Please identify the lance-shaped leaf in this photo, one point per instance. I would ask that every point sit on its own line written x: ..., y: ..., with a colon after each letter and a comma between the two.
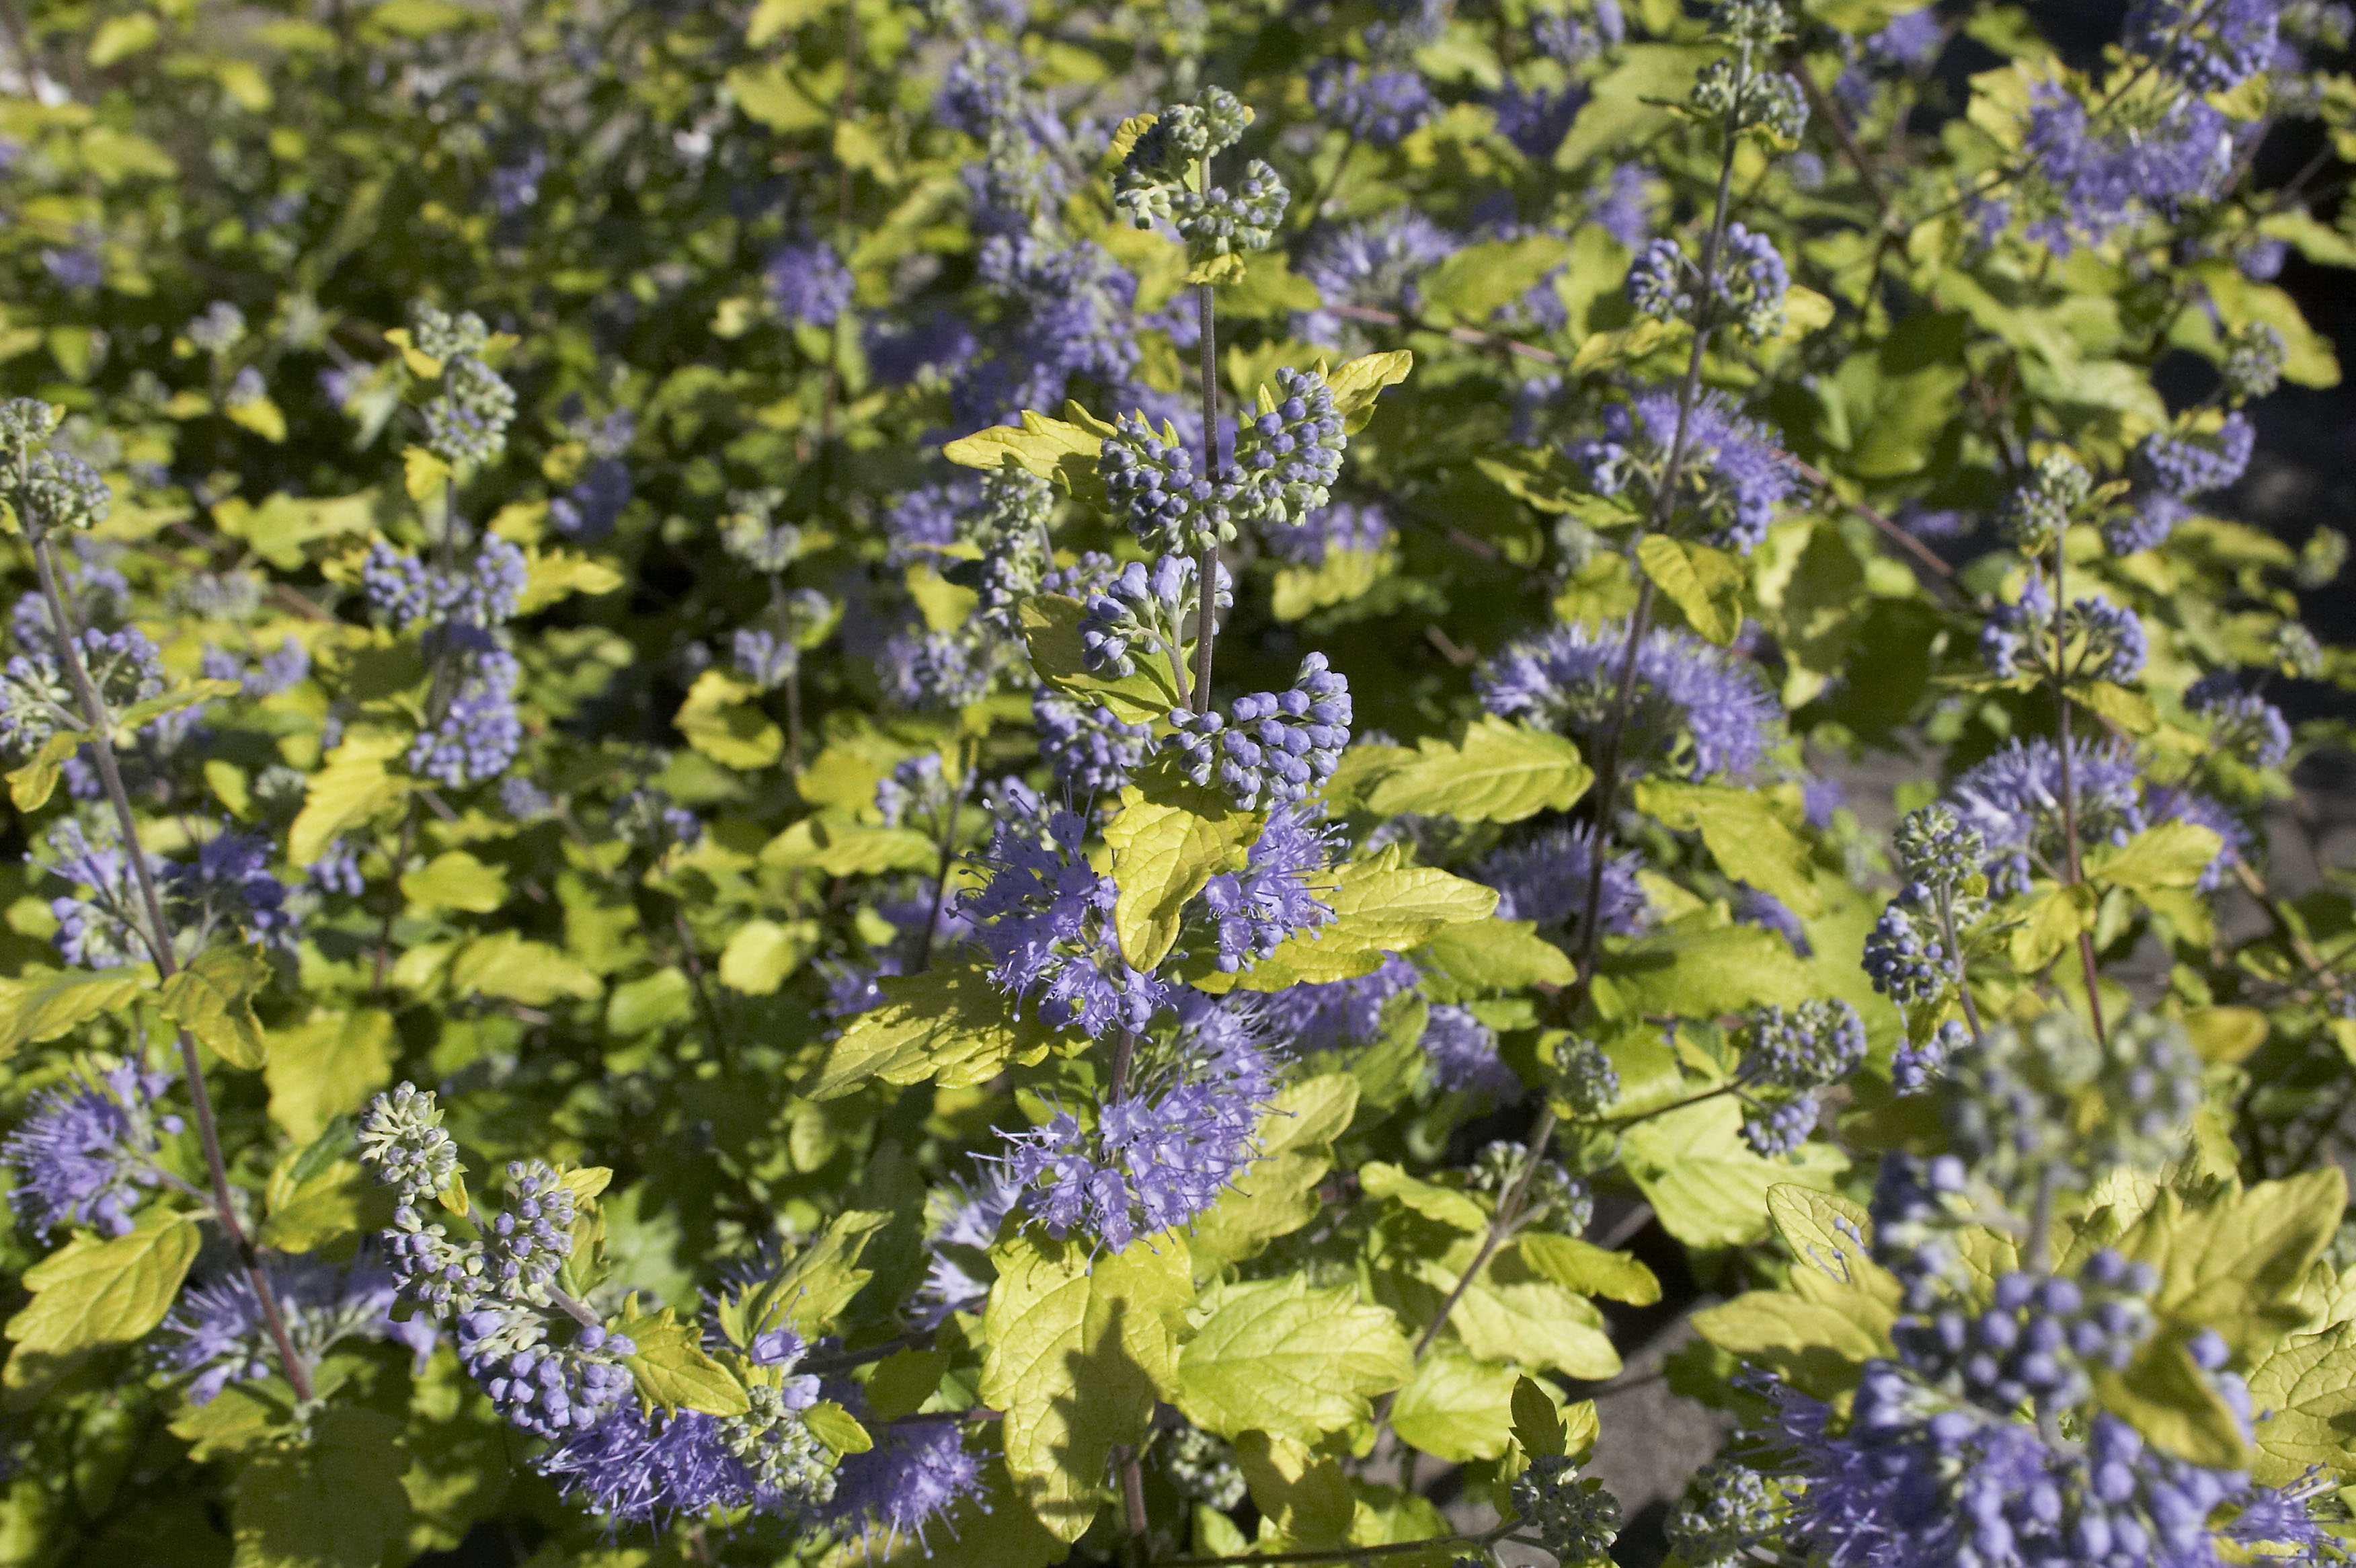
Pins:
x: 946, y: 1023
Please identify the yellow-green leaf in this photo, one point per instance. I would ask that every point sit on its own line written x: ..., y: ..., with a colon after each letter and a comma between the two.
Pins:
x: 346, y: 793
x: 456, y: 880
x: 760, y: 954
x: 328, y: 1068
x: 1458, y: 1408
x: 43, y: 1003
x: 1707, y: 1187
x: 1499, y: 772
x: 520, y: 970
x: 672, y: 1369
x: 334, y: 1500
x: 1380, y: 908
x: 2054, y: 919
x: 1749, y: 842
x: 213, y: 1000
x: 1051, y: 633
x: 1277, y: 1356
x: 1357, y: 384
x: 30, y: 787
x: 2307, y: 1385
x: 1590, y: 1270
x: 119, y: 37
x: 2173, y: 854
x: 1275, y: 1195
x: 90, y: 1292
x: 1706, y: 583
x: 948, y: 1022
x: 423, y: 475
x: 1171, y: 835
x: 718, y: 718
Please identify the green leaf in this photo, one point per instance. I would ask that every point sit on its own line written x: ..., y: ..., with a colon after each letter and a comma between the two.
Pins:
x: 1831, y: 1238
x: 1695, y: 973
x: 520, y: 970
x: 671, y: 1367
x: 651, y: 1001
x: 1539, y: 1425
x: 904, y: 1381
x: 1078, y: 1354
x: 1449, y: 1206
x: 1499, y: 772
x: 2226, y: 1034
x: 1309, y: 1498
x: 760, y: 954
x: 1051, y: 633
x: 1459, y: 1408
x: 1171, y: 836
x: 326, y: 1206
x: 213, y: 1000
x: 1476, y: 282
x: 2235, y: 1264
x: 1707, y: 1186
x: 2173, y: 854
x: 946, y: 1023
x: 1046, y: 449
x: 120, y: 38
x: 837, y: 1428
x: 720, y: 720
x: 1514, y: 1313
x: 1277, y: 1356
x: 2052, y: 922
x: 1706, y: 583
x: 90, y: 1292
x: 43, y: 1003
x: 842, y: 848
x: 347, y: 792
x: 333, y: 1501
x: 1814, y: 1346
x: 1489, y: 956
x: 1744, y: 834
x: 1277, y: 1194
x: 1357, y: 384
x: 766, y: 93
x: 1584, y: 1267
x: 1380, y: 908
x: 30, y: 787
x: 456, y: 880
x: 1625, y: 104
x: 328, y: 1068
x: 811, y: 1291
x: 2308, y: 1384
x: 1342, y: 576
x: 2166, y: 1396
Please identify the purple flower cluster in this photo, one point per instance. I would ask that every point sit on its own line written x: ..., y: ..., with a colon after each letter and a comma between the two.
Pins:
x: 2194, y: 462
x: 1045, y: 919
x: 2101, y: 642
x: 1622, y: 207
x: 1164, y: 1151
x: 85, y: 1152
x: 542, y: 1389
x: 917, y: 1472
x: 1373, y: 105
x: 2241, y: 722
x: 2104, y: 177
x: 228, y: 886
x: 1545, y: 879
x: 1748, y: 282
x: 1697, y: 710
x: 1272, y: 748
x: 1144, y: 610
x: 1338, y: 1014
x: 1067, y: 313
x: 810, y: 285
x: 1372, y: 263
x: 1335, y: 526
x: 957, y: 1277
x: 479, y: 733
x: 217, y: 1334
x: 1274, y: 895
x: 1731, y: 476
x: 2013, y: 801
x: 1536, y: 119
x: 1460, y: 1053
x: 408, y: 593
x: 2212, y: 46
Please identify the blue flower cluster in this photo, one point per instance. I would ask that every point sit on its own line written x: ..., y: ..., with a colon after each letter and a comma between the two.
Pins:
x: 1545, y: 879
x: 2173, y: 468
x: 1274, y: 895
x: 1272, y: 748
x: 1730, y: 476
x: 1148, y: 609
x: 1697, y: 711
x: 2100, y: 640
x: 85, y: 1152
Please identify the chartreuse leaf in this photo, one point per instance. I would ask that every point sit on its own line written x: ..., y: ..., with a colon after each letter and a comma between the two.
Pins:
x: 1308, y: 1497
x: 1706, y: 583
x: 720, y: 720
x: 1707, y: 1186
x: 837, y: 1428
x: 1831, y: 1238
x: 1171, y: 836
x: 946, y: 1023
x: 1278, y: 1357
x: 46, y: 1003
x: 334, y: 1500
x: 90, y: 1292
x: 904, y: 1381
x: 1692, y: 972
x: 352, y: 786
x: 814, y: 1287
x: 1472, y: 284
x: 2225, y: 1034
x: 1499, y: 772
x: 213, y: 1000
x: 1380, y: 908
x: 2166, y: 1396
x: 515, y: 967
x: 29, y: 786
x: 1051, y: 632
x: 760, y: 954
x: 1749, y: 842
x: 1514, y: 1313
x: 1457, y: 1408
x: 1078, y: 1353
x: 1046, y: 449
x: 2173, y: 854
x: 456, y: 880
x: 1277, y: 1194
x: 1590, y: 1270
x: 1345, y: 574
x: 1814, y: 1346
x: 671, y: 1367
x: 2056, y: 915
x: 844, y: 848
x: 2235, y: 1264
x: 1539, y: 1425
x: 1357, y: 382
x: 2308, y: 1383
x: 1488, y: 956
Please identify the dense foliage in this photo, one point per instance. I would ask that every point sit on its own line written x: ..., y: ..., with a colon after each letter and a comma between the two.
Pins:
x: 845, y: 779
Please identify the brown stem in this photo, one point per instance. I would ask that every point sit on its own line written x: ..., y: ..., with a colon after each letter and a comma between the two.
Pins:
x: 158, y: 937
x: 949, y: 857
x: 1139, y: 1548
x: 2070, y: 866
x: 1821, y: 105
x: 1962, y: 969
x: 1206, y: 563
